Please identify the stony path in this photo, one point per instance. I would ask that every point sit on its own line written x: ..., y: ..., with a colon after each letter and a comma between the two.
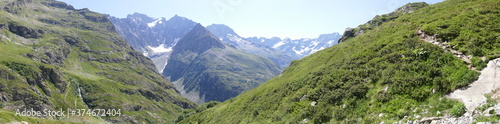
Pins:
x: 446, y: 47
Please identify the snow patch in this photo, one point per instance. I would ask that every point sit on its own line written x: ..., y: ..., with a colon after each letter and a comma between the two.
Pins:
x: 175, y: 41
x: 279, y: 44
x: 236, y: 39
x: 154, y: 23
x: 301, y: 52
x: 160, y: 49
x: 331, y: 42
x: 315, y: 43
x: 165, y: 65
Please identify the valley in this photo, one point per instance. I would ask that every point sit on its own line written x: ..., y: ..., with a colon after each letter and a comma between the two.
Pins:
x: 157, y: 38
x: 421, y: 63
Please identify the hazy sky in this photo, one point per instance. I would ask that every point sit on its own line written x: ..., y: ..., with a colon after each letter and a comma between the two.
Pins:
x: 266, y: 18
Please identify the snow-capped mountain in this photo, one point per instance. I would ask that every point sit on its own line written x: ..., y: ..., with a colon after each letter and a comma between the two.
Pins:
x: 298, y: 47
x: 227, y: 35
x: 161, y: 35
x: 154, y: 37
x: 201, y: 66
x: 212, y: 63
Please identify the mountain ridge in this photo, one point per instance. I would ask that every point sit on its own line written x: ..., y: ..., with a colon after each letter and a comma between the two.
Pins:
x: 298, y: 48
x: 227, y: 35
x: 205, y: 69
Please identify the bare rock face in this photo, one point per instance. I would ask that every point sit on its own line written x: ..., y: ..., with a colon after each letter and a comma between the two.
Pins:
x: 351, y: 32
x: 58, y: 4
x: 24, y: 31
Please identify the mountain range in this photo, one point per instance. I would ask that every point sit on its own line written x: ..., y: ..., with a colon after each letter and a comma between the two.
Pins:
x: 157, y: 39
x: 227, y: 35
x: 202, y: 66
x: 281, y: 51
x: 298, y: 48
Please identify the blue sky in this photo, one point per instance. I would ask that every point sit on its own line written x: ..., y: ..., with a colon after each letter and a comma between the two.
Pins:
x: 266, y: 18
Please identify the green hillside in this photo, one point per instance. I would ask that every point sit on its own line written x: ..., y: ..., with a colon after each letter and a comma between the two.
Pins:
x: 386, y: 73
x: 53, y: 57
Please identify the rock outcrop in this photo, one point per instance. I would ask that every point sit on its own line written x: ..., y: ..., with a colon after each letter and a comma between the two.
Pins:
x: 58, y: 4
x: 25, y: 31
x: 350, y: 32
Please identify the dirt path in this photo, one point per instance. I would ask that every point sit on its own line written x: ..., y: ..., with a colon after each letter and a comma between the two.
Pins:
x: 473, y: 95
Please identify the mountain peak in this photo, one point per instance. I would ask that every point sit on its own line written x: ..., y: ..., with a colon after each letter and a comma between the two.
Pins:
x: 177, y: 17
x: 140, y: 17
x: 198, y: 40
x: 221, y: 30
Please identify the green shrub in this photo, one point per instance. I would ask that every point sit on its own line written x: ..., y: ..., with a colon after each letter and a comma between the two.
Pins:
x: 458, y: 110
x: 212, y: 104
x: 20, y: 68
x: 478, y: 63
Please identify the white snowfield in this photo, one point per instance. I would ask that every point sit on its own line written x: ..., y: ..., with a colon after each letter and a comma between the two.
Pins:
x: 473, y: 95
x: 154, y: 23
x: 160, y: 49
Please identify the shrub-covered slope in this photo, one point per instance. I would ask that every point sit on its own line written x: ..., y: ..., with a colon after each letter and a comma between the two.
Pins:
x: 385, y: 73
x: 53, y: 57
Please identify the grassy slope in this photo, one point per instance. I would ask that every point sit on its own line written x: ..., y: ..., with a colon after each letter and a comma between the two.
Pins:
x: 386, y: 70
x: 110, y: 74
